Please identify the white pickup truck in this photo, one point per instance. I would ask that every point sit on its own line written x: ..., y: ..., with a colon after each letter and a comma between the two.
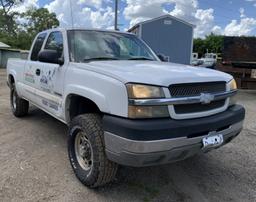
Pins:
x: 121, y: 103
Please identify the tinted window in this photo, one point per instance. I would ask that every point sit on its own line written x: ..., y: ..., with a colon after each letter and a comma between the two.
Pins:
x: 55, y: 42
x: 37, y: 46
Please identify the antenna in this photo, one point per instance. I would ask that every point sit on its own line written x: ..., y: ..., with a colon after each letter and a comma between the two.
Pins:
x: 72, y: 22
x: 71, y: 14
x: 116, y: 14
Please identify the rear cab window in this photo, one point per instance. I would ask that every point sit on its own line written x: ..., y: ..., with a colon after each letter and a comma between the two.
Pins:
x: 37, y: 46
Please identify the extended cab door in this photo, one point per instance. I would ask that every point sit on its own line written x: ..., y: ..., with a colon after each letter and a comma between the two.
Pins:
x: 29, y: 76
x: 49, y: 85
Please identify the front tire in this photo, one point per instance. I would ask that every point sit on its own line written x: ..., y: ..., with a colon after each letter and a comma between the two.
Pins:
x: 86, y: 151
x: 19, y: 106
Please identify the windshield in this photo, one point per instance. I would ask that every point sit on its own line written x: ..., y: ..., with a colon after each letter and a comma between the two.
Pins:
x: 88, y: 45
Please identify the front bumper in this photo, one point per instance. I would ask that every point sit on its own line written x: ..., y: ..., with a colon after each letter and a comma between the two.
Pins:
x: 151, y: 142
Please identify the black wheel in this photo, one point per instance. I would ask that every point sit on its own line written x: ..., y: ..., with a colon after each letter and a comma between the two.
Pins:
x: 19, y: 106
x: 86, y: 151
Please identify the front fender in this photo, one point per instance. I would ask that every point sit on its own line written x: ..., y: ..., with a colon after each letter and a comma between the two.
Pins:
x: 109, y: 94
x: 98, y: 98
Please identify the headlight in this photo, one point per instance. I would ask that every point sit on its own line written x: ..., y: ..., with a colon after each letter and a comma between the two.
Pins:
x: 232, y: 86
x: 140, y: 91
x: 144, y: 91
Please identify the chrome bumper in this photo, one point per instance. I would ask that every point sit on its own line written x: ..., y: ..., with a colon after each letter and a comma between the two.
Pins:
x: 145, y: 153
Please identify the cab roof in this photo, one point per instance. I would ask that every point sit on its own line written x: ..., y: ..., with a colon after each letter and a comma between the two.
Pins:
x: 84, y: 29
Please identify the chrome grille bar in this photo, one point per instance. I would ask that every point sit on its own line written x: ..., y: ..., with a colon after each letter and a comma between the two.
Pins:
x: 181, y: 100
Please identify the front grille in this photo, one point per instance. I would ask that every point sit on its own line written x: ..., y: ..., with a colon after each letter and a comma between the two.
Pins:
x: 195, y: 89
x: 198, y: 107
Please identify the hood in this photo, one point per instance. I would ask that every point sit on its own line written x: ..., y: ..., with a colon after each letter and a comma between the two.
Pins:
x: 154, y: 72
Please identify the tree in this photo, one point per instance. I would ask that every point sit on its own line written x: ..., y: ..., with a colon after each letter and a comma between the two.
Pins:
x: 8, y: 24
x: 199, y: 46
x: 39, y: 20
x: 36, y: 20
x: 212, y: 43
x: 7, y: 18
x: 20, y: 35
x: 8, y: 4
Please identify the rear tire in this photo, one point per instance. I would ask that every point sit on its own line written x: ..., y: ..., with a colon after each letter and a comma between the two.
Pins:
x: 86, y: 149
x: 19, y: 106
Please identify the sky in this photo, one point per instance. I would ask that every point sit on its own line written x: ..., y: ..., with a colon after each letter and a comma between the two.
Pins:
x: 228, y: 17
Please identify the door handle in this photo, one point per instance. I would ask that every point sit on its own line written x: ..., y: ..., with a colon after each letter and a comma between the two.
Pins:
x: 38, y: 71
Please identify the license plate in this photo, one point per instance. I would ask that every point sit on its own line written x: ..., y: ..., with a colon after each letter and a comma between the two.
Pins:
x: 212, y: 141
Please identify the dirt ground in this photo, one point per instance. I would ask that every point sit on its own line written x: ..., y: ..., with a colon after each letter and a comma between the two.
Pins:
x: 34, y: 165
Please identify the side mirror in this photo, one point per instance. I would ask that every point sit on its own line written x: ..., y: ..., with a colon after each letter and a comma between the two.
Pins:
x: 163, y: 58
x: 50, y: 56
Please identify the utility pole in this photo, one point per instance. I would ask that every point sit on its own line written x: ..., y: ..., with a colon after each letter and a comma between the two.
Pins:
x: 116, y: 14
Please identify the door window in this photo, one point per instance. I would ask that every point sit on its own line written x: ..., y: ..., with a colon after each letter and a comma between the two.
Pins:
x: 55, y: 42
x: 37, y: 46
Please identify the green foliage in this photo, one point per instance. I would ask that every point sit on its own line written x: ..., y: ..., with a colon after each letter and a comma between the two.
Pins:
x: 212, y: 43
x: 8, y: 27
x: 39, y: 20
x: 19, y: 30
x: 199, y: 46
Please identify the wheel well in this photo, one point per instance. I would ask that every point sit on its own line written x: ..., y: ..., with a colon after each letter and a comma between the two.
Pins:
x: 77, y: 105
x: 11, y: 80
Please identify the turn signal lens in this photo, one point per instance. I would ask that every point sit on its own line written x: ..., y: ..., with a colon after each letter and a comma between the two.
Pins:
x: 148, y: 112
x: 232, y: 100
x: 232, y: 84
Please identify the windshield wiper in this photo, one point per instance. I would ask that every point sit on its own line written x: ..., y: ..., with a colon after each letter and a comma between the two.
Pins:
x: 140, y: 58
x: 100, y: 58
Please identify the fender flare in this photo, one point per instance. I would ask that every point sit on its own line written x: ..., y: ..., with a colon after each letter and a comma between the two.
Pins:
x: 98, y: 98
x: 13, y: 74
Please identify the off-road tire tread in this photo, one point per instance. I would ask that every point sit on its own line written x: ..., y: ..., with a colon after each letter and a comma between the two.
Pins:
x: 105, y: 169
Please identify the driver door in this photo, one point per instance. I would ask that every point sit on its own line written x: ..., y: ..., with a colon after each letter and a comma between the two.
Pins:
x: 49, y: 86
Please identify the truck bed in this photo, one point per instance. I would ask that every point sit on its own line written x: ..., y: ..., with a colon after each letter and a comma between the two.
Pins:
x: 18, y: 65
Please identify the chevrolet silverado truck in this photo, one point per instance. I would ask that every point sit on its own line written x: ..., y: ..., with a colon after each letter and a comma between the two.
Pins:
x: 122, y: 104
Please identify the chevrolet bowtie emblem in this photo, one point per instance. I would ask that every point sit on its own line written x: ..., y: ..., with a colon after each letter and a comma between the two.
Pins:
x: 206, y: 98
